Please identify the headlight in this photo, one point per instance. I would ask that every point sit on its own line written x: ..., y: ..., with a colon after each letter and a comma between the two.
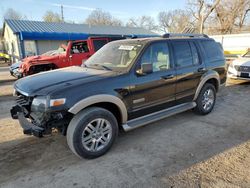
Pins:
x: 57, y: 102
x: 39, y: 104
x: 237, y: 67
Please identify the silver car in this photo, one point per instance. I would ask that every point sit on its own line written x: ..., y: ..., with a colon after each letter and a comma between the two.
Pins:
x: 240, y: 67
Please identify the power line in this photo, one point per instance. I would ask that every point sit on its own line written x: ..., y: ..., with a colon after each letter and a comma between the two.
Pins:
x: 62, y: 13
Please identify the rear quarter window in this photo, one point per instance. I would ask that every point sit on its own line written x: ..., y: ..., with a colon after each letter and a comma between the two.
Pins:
x: 99, y: 44
x: 213, y: 50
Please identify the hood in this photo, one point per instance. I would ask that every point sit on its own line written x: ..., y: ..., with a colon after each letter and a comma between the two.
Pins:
x: 46, y: 82
x: 40, y: 58
x: 242, y: 61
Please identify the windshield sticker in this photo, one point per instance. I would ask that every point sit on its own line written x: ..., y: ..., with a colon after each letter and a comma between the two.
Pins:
x: 125, y: 47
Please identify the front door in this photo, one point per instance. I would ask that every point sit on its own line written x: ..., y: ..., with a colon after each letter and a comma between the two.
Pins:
x: 156, y: 90
x: 78, y: 53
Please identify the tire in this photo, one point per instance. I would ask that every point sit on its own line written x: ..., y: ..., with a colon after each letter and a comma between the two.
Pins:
x: 84, y: 125
x: 201, y: 109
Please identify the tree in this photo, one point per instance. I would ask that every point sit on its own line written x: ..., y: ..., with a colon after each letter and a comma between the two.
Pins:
x: 231, y: 15
x: 12, y: 14
x: 175, y: 21
x: 51, y: 16
x: 201, y: 10
x: 100, y: 17
x: 146, y: 22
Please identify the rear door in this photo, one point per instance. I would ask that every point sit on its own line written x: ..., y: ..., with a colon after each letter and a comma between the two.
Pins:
x: 189, y: 69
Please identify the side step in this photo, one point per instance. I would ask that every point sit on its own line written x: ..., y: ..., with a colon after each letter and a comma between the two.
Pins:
x: 156, y: 116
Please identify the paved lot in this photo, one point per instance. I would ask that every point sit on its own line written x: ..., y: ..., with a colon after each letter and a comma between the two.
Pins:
x: 185, y: 150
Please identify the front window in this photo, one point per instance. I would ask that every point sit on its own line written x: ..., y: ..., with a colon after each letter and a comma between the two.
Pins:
x: 79, y: 47
x: 157, y: 54
x: 117, y: 56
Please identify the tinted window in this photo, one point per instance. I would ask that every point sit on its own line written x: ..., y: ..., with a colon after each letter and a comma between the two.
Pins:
x: 183, y: 54
x: 158, y: 55
x: 195, y: 54
x: 99, y: 43
x: 213, y: 50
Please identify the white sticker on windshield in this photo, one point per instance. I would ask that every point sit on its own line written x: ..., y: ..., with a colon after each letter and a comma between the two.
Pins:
x: 125, y: 47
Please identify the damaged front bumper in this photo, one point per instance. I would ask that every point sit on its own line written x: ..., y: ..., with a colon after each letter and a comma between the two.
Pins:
x: 28, y: 127
x: 16, y: 73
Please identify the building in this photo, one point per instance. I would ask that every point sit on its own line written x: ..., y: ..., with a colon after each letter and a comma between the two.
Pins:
x: 233, y: 44
x: 24, y: 38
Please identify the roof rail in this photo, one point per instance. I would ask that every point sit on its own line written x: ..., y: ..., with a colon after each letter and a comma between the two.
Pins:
x: 169, y: 35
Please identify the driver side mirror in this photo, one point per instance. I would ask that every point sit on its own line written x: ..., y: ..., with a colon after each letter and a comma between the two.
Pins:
x: 146, y: 68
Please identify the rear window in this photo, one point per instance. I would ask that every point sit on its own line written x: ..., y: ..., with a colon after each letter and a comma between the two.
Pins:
x: 99, y: 43
x: 213, y: 50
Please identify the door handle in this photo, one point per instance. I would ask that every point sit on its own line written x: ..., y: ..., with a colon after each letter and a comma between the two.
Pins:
x: 170, y: 76
x: 202, y: 69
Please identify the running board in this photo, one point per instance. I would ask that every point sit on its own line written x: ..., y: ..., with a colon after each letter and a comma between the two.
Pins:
x: 156, y: 116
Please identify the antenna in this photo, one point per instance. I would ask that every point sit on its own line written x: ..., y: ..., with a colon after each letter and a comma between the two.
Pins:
x: 62, y: 13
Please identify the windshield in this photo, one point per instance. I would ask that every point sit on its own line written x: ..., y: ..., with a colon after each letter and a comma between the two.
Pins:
x: 116, y: 56
x: 60, y: 50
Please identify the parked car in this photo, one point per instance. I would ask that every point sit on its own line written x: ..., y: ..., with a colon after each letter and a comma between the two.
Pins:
x: 126, y: 84
x: 75, y: 53
x: 240, y: 67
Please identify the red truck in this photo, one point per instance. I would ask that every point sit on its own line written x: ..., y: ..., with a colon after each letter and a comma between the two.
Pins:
x: 75, y: 53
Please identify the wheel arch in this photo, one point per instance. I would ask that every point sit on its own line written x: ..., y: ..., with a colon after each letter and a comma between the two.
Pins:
x: 210, y: 77
x: 112, y: 103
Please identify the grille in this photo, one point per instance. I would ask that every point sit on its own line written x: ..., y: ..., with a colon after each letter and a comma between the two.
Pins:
x: 24, y: 102
x: 244, y: 75
x: 244, y: 68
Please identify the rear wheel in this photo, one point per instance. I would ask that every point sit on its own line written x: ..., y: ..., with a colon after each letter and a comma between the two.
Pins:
x: 92, y: 132
x: 206, y: 99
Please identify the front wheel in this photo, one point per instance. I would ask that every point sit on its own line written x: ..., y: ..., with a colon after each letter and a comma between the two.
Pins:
x: 206, y: 99
x: 92, y: 132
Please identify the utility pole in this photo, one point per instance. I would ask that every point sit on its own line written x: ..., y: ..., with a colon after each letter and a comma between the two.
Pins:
x: 62, y: 17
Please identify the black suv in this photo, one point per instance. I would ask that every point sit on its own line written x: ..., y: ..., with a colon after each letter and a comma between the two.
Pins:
x: 126, y: 84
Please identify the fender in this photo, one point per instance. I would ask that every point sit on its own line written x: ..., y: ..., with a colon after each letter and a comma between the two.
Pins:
x: 205, y: 77
x: 98, y: 99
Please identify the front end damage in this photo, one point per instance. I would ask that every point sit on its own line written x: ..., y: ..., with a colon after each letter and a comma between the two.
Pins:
x: 37, y: 122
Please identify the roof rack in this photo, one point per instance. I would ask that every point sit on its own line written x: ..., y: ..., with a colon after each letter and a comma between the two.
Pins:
x: 191, y: 35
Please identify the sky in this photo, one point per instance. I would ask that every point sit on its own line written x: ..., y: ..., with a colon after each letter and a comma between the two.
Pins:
x: 78, y: 10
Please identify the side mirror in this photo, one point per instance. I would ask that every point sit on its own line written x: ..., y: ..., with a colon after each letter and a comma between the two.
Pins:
x: 146, y: 68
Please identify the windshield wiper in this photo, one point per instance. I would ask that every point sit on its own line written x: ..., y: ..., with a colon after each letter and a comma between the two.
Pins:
x: 102, y: 66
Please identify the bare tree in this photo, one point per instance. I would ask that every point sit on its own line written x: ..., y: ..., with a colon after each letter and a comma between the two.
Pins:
x: 100, y: 17
x: 13, y: 14
x: 51, y: 16
x: 175, y: 21
x: 231, y: 15
x: 146, y: 22
x: 201, y: 10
